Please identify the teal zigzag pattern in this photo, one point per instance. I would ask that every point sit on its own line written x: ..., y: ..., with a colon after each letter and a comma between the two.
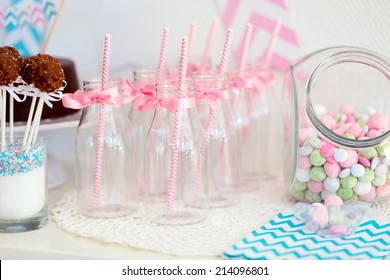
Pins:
x: 285, y: 237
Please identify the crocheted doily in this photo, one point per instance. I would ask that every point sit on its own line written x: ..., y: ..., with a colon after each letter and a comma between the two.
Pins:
x: 224, y: 226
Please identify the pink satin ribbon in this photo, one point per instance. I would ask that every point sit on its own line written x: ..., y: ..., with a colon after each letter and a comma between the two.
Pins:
x: 213, y: 96
x: 80, y: 99
x: 257, y: 83
x: 130, y: 91
x: 146, y: 102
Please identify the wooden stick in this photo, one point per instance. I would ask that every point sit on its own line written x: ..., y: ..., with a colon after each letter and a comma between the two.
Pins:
x: 48, y: 37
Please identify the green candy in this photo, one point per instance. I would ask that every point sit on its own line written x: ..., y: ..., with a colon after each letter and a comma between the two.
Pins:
x: 338, y: 117
x: 336, y: 215
x: 313, y: 197
x: 317, y: 173
x: 316, y: 158
x: 298, y: 195
x: 384, y: 149
x: 348, y: 182
x: 354, y: 196
x: 361, y: 122
x: 349, y: 136
x: 368, y: 175
x: 344, y: 193
x: 379, y: 180
x: 299, y: 186
x: 369, y: 153
x: 313, y: 142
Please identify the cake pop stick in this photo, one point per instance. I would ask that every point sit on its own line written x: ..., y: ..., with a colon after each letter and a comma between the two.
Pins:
x: 30, y: 116
x: 2, y: 104
x: 35, y: 124
x: 11, y: 118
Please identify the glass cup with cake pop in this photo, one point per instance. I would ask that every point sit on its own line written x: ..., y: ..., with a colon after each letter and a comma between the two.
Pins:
x: 23, y: 168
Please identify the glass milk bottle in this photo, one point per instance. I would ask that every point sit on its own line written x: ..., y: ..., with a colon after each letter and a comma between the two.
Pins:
x: 336, y: 125
x: 106, y: 191
x: 223, y: 144
x: 176, y: 191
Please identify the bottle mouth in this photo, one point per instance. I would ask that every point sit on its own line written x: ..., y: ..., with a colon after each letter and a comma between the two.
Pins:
x: 170, y: 89
x: 355, y: 56
x: 96, y: 83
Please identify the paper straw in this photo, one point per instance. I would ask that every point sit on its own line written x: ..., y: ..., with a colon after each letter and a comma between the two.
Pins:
x: 163, y: 54
x: 193, y: 29
x: 210, y: 121
x: 30, y: 115
x: 11, y: 119
x: 102, y: 117
x: 3, y: 103
x: 49, y: 35
x: 209, y: 44
x: 177, y: 128
x: 271, y: 45
x: 245, y: 48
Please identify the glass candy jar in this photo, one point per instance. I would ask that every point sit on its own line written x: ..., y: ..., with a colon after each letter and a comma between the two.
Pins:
x: 176, y: 178
x: 107, y: 190
x: 336, y: 125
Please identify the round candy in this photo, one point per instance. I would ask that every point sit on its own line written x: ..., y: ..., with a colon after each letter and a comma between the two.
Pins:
x: 12, y: 52
x: 305, y: 151
x: 299, y: 186
x: 320, y: 110
x: 376, y: 121
x: 340, y: 131
x: 362, y: 188
x: 373, y: 133
x: 333, y: 200
x: 363, y: 161
x: 350, y: 119
x: 318, y: 214
x: 386, y: 161
x: 347, y: 109
x: 384, y: 149
x: 314, y: 142
x: 315, y: 186
x: 325, y: 194
x: 312, y: 197
x: 357, y: 170
x: 369, y: 153
x: 349, y: 182
x: 316, y: 159
x: 328, y: 121
x: 383, y: 191
x: 332, y: 169
x: 379, y: 180
x: 304, y: 162
x: 326, y: 150
x: 374, y: 163
x: 351, y: 160
x: 340, y: 155
x: 355, y: 130
x: 349, y: 136
x: 344, y: 173
x: 344, y: 193
x: 381, y: 170
x: 9, y: 70
x: 299, y: 195
x: 332, y: 184
x: 303, y: 175
x: 336, y: 215
x: 369, y: 197
x: 338, y: 229
x: 304, y: 134
x: 368, y: 175
x: 317, y: 173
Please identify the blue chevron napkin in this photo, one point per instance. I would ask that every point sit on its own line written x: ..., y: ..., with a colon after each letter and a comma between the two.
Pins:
x: 286, y: 237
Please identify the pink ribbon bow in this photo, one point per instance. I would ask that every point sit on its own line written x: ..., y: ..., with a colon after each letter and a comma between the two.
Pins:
x: 257, y: 83
x: 146, y: 102
x: 80, y: 99
x: 213, y: 96
x: 130, y: 91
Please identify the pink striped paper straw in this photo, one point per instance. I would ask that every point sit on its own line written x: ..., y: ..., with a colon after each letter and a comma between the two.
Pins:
x: 209, y: 44
x: 245, y: 49
x: 177, y: 128
x: 163, y: 54
x: 271, y: 45
x: 210, y: 121
x: 193, y: 29
x: 102, y: 117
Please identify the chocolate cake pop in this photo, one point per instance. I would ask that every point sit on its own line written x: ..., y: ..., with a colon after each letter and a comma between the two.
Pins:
x: 11, y: 51
x: 9, y: 70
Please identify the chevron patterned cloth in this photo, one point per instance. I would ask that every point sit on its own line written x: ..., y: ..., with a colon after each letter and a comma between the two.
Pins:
x: 286, y: 237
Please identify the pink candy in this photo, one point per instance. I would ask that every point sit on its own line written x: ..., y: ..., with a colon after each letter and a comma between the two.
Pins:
x: 333, y: 200
x: 383, y: 191
x: 373, y: 133
x: 328, y: 121
x: 377, y: 121
x: 332, y: 169
x: 363, y: 161
x: 304, y: 134
x: 350, y: 119
x: 319, y: 215
x: 327, y: 150
x: 347, y: 109
x: 351, y: 160
x: 338, y: 229
x: 369, y: 197
x: 355, y: 130
x: 315, y: 186
x: 304, y: 162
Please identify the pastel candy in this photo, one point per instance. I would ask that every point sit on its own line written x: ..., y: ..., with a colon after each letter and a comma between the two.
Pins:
x: 299, y: 186
x: 299, y: 195
x: 332, y: 169
x: 363, y: 161
x: 344, y: 193
x: 349, y: 136
x: 370, y: 196
x: 384, y: 149
x: 332, y: 184
x: 315, y: 186
x: 317, y: 173
x: 336, y: 215
x: 331, y: 159
x: 320, y: 110
x: 362, y: 188
x: 357, y: 170
x: 305, y: 151
x: 347, y: 109
x: 381, y: 170
x: 374, y: 163
x: 303, y: 175
x: 325, y: 194
x: 304, y: 134
x: 350, y: 119
x: 333, y: 200
x: 351, y: 160
x: 312, y: 197
x: 369, y: 153
x: 349, y: 182
x: 368, y: 175
x: 379, y: 180
x: 340, y: 155
x: 383, y: 191
x: 316, y: 159
x: 326, y: 150
x: 386, y: 160
x: 318, y: 214
x: 376, y: 121
x: 328, y: 121
x: 338, y: 229
x: 314, y: 142
x: 355, y: 130
x: 344, y: 173
x: 373, y: 134
x: 339, y: 131
x: 304, y: 162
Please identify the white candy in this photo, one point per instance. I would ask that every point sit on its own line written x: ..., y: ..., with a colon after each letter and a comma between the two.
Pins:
x: 357, y: 170
x: 340, y: 155
x: 364, y: 117
x: 305, y: 151
x: 379, y: 181
x: 362, y: 188
x: 332, y: 184
x: 303, y: 175
x: 386, y: 161
x: 345, y: 173
x: 381, y: 170
x: 320, y: 110
x: 374, y: 163
x: 365, y: 129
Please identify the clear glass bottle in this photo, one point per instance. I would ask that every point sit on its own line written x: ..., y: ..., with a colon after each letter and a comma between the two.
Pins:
x: 114, y: 196
x: 223, y: 145
x: 176, y: 193
x: 336, y: 125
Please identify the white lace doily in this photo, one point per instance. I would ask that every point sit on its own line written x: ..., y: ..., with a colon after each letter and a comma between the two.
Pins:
x: 223, y: 228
